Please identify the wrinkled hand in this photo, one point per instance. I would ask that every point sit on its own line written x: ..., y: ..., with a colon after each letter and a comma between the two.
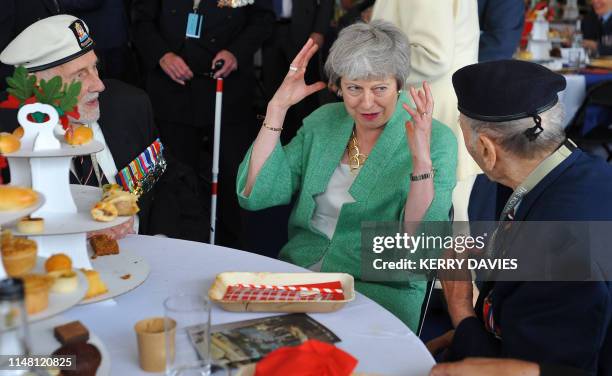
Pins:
x: 418, y: 129
x: 116, y: 232
x: 294, y: 88
x: 231, y: 64
x: 440, y: 343
x: 590, y: 45
x: 176, y: 68
x: 486, y: 367
x: 458, y: 287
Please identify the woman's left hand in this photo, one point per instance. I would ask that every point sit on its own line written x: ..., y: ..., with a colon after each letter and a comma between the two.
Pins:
x: 418, y: 129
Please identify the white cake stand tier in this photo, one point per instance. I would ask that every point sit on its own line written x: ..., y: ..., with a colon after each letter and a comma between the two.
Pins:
x: 121, y: 273
x: 66, y: 232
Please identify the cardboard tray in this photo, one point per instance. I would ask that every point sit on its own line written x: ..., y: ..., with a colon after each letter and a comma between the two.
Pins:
x: 223, y: 280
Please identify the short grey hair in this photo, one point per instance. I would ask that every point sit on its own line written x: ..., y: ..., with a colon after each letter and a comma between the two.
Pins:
x: 372, y: 50
x: 510, y: 134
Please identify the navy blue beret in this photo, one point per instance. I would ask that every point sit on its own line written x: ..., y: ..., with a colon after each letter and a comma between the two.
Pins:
x: 506, y: 90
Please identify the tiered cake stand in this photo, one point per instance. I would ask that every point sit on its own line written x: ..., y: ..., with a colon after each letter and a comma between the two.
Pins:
x: 43, y: 163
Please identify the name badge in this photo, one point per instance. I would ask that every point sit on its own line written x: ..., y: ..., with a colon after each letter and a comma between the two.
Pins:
x: 194, y: 25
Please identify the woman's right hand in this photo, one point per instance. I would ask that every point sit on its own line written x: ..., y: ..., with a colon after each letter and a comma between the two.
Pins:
x: 294, y: 88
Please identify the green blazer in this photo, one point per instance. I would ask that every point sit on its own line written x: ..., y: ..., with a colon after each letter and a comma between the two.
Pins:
x: 305, y: 165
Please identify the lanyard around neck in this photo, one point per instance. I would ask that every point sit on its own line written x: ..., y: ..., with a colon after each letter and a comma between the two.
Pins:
x: 536, y: 176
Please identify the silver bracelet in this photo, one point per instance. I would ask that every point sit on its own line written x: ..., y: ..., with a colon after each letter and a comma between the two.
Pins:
x: 427, y: 175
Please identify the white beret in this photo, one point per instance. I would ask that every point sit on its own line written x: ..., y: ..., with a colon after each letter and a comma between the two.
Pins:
x: 48, y: 43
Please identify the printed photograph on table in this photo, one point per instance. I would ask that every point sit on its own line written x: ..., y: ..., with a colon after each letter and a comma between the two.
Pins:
x: 245, y: 342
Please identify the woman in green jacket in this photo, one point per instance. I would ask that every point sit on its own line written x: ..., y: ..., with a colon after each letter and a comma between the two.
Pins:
x: 371, y: 158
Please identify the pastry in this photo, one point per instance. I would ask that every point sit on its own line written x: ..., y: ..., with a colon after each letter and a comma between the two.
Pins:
x: 96, y: 285
x: 107, y: 189
x: 9, y: 143
x: 80, y: 135
x: 88, y: 358
x: 16, y: 198
x: 104, y: 245
x: 104, y: 212
x: 58, y: 262
x: 36, y: 292
x: 18, y: 132
x: 64, y: 281
x: 18, y: 254
x: 72, y: 332
x: 31, y: 225
x: 125, y: 202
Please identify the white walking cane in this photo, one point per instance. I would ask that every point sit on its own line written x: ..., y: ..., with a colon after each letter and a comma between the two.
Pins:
x: 216, y: 147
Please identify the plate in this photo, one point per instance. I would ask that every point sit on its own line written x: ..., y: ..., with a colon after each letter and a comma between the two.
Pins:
x: 44, y: 343
x: 64, y: 151
x: 223, y: 280
x: 13, y: 215
x: 85, y: 197
x: 59, y: 302
x: 113, y: 267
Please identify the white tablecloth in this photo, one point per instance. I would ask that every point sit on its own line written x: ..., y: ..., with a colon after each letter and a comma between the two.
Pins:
x: 573, y: 95
x: 382, y: 343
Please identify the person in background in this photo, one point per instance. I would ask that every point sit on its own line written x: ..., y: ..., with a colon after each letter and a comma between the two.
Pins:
x: 296, y: 21
x: 15, y: 16
x: 368, y: 158
x: 502, y: 367
x: 120, y: 116
x: 597, y: 28
x: 443, y: 37
x: 110, y: 22
x: 178, y: 61
x: 501, y: 25
x: 513, y: 127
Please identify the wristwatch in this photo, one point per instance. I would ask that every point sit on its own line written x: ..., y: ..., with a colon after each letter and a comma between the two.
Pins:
x: 427, y: 175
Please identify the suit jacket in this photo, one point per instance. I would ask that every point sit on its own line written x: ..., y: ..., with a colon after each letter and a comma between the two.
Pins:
x: 594, y: 29
x: 16, y: 15
x: 106, y: 20
x: 501, y: 25
x: 159, y: 27
x: 309, y: 16
x: 305, y: 167
x: 443, y: 37
x: 566, y: 323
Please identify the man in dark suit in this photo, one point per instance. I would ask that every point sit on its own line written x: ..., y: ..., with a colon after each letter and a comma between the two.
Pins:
x: 120, y: 115
x: 296, y: 21
x: 597, y: 28
x: 179, y: 61
x: 520, y: 145
x: 15, y: 16
x: 501, y: 25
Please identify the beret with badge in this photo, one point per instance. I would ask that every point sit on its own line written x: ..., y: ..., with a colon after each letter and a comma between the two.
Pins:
x: 48, y: 43
x: 505, y: 90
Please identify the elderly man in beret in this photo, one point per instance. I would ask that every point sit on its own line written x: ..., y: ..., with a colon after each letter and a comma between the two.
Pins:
x: 513, y: 127
x: 62, y: 46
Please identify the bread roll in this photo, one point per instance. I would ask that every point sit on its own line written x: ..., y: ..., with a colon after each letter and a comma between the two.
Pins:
x: 79, y: 136
x: 18, y: 132
x: 16, y: 198
x: 9, y: 143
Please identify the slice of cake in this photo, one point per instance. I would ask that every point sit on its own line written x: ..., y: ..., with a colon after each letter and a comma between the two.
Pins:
x: 104, y: 245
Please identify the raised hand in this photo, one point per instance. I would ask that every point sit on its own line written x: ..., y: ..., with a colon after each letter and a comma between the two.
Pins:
x: 294, y: 88
x: 418, y: 129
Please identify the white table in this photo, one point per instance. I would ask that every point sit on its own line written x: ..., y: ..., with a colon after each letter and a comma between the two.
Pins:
x: 381, y: 342
x: 573, y: 95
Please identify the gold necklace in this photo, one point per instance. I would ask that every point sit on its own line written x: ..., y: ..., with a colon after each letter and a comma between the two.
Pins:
x: 355, y: 158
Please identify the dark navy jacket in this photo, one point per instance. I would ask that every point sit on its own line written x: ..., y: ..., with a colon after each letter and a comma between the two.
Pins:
x: 566, y: 323
x: 501, y: 25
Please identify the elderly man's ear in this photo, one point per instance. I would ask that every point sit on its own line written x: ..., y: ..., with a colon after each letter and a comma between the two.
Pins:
x: 488, y: 152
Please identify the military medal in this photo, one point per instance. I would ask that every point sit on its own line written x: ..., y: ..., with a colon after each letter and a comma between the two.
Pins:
x: 140, y: 175
x: 234, y: 3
